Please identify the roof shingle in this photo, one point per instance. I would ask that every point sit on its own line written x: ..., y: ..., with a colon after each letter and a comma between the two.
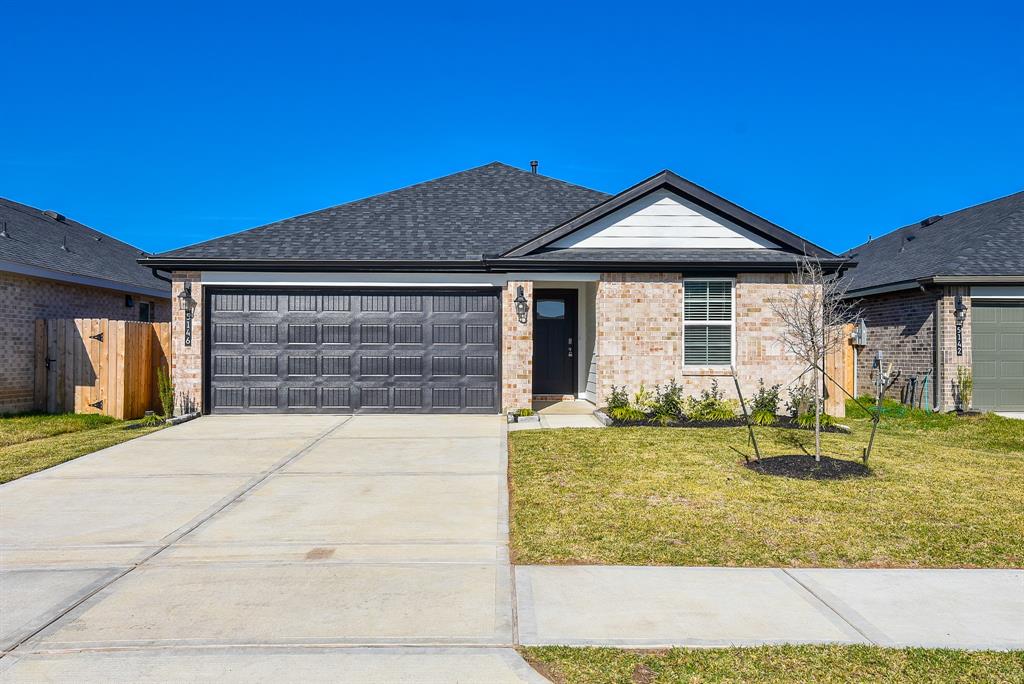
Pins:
x: 983, y: 240
x: 39, y: 240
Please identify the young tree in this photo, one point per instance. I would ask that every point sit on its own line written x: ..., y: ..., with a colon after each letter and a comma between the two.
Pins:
x: 813, y: 313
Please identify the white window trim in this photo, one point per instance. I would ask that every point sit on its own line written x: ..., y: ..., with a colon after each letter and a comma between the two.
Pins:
x: 731, y: 324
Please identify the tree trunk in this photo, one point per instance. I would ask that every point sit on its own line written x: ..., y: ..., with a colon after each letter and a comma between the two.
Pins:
x: 817, y: 417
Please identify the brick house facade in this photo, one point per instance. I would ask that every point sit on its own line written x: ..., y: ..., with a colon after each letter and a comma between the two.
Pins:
x: 23, y: 299
x: 608, y: 275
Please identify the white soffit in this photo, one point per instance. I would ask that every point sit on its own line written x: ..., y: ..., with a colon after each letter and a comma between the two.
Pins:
x: 663, y: 220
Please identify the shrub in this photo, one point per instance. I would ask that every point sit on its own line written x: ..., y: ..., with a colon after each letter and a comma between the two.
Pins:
x: 152, y: 420
x: 524, y: 412
x: 629, y: 414
x: 618, y: 398
x: 642, y: 400
x: 801, y: 401
x: 765, y: 398
x: 668, y: 402
x: 763, y: 417
x: 165, y: 388
x: 710, y: 406
x: 964, y: 387
x: 806, y: 420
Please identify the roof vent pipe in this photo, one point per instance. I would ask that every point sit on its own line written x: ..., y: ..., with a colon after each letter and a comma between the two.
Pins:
x: 64, y: 244
x: 930, y: 220
x: 533, y: 166
x: 3, y: 230
x: 54, y: 215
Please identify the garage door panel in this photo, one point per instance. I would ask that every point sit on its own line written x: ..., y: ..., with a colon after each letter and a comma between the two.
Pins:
x: 997, y: 348
x: 353, y: 351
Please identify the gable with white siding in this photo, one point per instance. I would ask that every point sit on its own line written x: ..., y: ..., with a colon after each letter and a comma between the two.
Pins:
x: 663, y: 220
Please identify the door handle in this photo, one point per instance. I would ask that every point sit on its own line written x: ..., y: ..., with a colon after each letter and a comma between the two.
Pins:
x: 570, y: 347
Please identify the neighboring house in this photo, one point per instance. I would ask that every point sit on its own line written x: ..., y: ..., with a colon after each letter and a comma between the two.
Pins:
x: 484, y: 290
x: 912, y: 281
x: 53, y: 267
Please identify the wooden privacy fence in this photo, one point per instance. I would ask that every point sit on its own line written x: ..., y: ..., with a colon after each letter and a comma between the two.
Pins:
x: 95, y: 365
x: 839, y: 365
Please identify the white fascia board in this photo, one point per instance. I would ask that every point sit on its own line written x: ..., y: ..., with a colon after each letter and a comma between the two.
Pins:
x: 89, y: 281
x: 286, y: 279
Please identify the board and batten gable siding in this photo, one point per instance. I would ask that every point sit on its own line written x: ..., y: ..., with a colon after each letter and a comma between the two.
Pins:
x: 663, y: 220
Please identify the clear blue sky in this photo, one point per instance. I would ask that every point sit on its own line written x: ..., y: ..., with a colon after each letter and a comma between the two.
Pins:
x: 165, y: 125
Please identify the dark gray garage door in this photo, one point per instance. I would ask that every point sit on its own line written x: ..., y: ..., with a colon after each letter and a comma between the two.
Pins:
x: 353, y: 351
x: 997, y: 349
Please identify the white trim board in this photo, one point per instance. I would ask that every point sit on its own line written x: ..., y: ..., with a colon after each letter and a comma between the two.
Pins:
x: 663, y: 220
x: 274, y: 279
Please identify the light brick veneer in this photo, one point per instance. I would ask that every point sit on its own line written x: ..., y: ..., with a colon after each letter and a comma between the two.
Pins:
x: 516, y: 349
x: 23, y: 299
x: 640, y: 335
x: 187, y: 362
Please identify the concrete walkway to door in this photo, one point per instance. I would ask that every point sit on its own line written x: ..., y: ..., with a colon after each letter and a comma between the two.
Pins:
x: 254, y: 548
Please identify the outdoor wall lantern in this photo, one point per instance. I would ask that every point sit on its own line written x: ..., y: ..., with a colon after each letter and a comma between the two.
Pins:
x: 960, y: 314
x: 522, y: 307
x: 188, y: 305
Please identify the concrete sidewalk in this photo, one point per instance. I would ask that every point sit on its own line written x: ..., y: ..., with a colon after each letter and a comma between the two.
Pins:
x: 652, y: 607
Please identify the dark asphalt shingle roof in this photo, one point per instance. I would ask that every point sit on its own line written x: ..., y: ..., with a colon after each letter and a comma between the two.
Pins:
x: 35, y: 239
x: 983, y: 240
x: 485, y: 210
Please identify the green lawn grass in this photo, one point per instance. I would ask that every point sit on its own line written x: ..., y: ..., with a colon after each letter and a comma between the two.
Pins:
x: 944, y: 492
x: 776, y: 664
x: 33, y: 442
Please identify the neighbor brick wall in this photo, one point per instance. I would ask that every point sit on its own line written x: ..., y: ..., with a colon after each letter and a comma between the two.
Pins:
x: 949, y: 361
x: 640, y: 334
x: 902, y: 326
x: 517, y: 349
x: 187, y: 362
x: 23, y: 299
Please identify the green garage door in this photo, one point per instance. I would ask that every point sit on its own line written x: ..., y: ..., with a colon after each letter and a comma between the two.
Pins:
x: 997, y: 340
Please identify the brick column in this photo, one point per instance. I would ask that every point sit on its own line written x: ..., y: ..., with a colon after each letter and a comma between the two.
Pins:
x: 187, y: 362
x: 948, y: 360
x: 516, y: 349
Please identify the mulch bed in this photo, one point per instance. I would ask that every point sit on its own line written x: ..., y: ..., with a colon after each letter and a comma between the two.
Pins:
x: 782, y: 422
x: 804, y: 467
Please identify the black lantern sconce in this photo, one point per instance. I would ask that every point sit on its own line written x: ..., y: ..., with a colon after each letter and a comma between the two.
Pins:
x: 188, y: 305
x: 129, y: 301
x: 960, y: 314
x: 522, y: 306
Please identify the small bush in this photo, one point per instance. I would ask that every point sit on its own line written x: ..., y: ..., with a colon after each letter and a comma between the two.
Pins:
x: 964, y: 387
x: 806, y: 420
x: 629, y: 414
x: 166, y: 390
x: 668, y: 402
x: 618, y: 398
x: 801, y: 400
x: 643, y: 400
x: 765, y: 398
x: 710, y: 406
x: 763, y: 417
x: 151, y: 420
x: 524, y: 412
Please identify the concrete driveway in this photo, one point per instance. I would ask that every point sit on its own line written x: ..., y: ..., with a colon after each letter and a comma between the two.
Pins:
x: 266, y: 547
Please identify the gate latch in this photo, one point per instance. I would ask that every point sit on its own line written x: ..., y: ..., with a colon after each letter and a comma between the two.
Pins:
x: 98, y: 404
x: 98, y: 337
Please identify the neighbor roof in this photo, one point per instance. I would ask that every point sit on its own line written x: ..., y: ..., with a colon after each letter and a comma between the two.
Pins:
x: 493, y: 216
x: 983, y: 242
x: 53, y: 246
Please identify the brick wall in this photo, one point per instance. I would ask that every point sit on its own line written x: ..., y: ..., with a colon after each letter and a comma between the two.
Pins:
x: 517, y: 350
x: 902, y: 326
x: 640, y: 334
x: 187, y: 362
x: 949, y: 361
x: 23, y: 299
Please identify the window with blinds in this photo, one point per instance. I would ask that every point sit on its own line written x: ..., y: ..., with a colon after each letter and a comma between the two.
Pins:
x: 707, y: 322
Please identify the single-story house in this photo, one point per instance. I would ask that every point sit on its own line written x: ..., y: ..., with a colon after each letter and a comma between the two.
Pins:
x: 54, y: 267
x: 944, y: 293
x: 481, y: 291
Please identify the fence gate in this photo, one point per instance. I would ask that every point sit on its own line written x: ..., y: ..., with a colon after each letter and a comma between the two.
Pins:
x: 96, y: 365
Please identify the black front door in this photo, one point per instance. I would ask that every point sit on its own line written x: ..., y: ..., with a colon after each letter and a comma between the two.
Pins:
x: 554, y: 342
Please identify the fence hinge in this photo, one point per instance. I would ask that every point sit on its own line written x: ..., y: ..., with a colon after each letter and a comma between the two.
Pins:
x: 98, y: 337
x: 98, y: 404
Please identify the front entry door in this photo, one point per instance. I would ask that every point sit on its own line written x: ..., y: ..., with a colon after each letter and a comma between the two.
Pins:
x: 554, y: 342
